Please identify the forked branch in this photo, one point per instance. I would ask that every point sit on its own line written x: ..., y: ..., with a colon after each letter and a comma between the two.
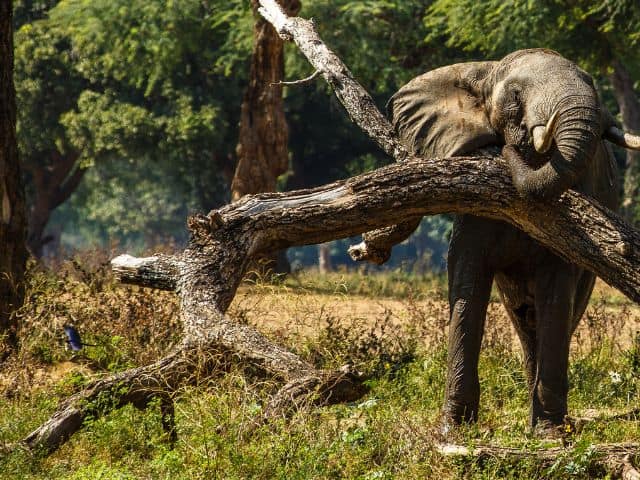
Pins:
x: 207, y: 273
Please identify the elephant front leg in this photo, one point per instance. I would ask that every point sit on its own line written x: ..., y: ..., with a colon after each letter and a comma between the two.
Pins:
x: 470, y: 282
x: 555, y: 294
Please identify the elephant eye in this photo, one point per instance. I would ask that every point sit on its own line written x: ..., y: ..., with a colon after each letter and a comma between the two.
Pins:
x: 513, y: 110
x: 513, y: 105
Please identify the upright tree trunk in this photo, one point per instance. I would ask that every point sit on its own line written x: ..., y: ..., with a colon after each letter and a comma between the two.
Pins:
x: 263, y: 140
x: 324, y: 258
x: 13, y: 253
x: 53, y: 184
x: 630, y: 111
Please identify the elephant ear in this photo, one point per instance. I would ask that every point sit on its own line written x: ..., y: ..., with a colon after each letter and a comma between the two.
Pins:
x: 442, y: 113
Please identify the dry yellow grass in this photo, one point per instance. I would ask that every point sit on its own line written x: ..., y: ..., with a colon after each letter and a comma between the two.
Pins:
x: 298, y: 312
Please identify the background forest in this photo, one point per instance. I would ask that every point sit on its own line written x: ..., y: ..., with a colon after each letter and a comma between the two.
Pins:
x: 132, y: 114
x: 128, y: 111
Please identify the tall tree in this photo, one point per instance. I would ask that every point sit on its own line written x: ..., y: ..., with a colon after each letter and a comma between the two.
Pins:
x: 262, y: 151
x: 629, y: 104
x: 120, y: 83
x: 13, y: 252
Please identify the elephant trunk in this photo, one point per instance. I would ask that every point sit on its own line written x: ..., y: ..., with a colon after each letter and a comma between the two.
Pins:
x: 576, y: 133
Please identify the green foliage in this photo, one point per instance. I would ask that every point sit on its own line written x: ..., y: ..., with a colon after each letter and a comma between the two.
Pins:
x: 390, y: 433
x: 28, y: 11
x: 153, y: 47
x: 46, y: 88
x: 591, y: 32
x: 382, y: 41
x: 155, y: 84
x: 153, y: 81
x: 104, y: 126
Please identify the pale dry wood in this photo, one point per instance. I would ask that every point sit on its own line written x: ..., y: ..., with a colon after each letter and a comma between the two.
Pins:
x: 615, y: 458
x: 207, y: 273
x: 376, y: 245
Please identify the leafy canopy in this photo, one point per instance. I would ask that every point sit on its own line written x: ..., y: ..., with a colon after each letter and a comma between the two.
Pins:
x: 591, y: 32
x: 155, y: 83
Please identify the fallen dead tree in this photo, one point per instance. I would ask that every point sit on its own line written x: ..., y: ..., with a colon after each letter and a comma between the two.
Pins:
x: 613, y: 458
x: 207, y: 273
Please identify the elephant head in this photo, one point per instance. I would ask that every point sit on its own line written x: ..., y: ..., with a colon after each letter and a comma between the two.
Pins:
x: 540, y: 104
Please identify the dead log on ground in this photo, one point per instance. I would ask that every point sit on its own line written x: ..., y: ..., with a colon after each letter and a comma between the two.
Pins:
x: 614, y: 458
x: 207, y: 273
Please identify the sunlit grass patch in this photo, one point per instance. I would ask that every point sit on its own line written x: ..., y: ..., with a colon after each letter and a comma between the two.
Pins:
x: 397, y: 337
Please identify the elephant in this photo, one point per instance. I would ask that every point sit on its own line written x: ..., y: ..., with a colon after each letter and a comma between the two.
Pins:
x: 543, y: 111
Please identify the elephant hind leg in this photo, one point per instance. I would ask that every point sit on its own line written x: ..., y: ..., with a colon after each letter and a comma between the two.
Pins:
x: 523, y: 319
x: 584, y: 289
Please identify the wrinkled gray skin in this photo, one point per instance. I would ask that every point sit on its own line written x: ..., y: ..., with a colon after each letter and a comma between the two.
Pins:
x: 460, y: 108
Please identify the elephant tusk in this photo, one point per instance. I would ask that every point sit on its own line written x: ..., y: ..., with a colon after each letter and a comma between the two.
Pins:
x: 542, y: 136
x: 619, y: 137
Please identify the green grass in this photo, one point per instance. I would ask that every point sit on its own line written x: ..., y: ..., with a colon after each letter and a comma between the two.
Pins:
x: 390, y: 433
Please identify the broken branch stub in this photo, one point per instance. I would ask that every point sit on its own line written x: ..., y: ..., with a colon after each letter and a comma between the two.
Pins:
x: 376, y: 245
x: 207, y: 273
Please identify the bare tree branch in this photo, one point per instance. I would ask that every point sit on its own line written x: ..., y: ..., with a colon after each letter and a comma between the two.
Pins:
x: 207, y: 273
x: 302, y: 81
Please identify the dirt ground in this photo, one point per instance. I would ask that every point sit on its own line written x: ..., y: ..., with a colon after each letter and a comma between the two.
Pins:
x: 287, y: 312
x: 296, y: 312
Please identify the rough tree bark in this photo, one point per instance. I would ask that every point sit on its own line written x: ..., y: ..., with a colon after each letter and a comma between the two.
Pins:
x: 262, y: 150
x: 614, y: 458
x: 13, y: 252
x: 630, y: 111
x: 207, y: 273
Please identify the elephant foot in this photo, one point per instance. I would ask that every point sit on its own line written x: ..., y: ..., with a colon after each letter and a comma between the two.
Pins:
x: 452, y: 424
x: 548, y: 430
